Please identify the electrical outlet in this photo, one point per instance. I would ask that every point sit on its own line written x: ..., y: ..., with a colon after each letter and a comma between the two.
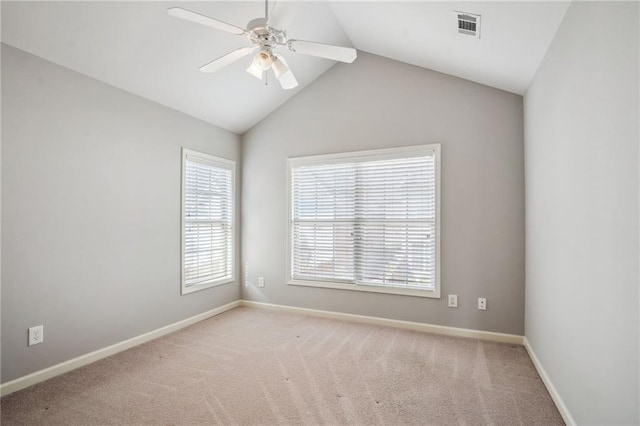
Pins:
x: 36, y: 335
x: 482, y: 303
x: 453, y: 300
x: 260, y: 281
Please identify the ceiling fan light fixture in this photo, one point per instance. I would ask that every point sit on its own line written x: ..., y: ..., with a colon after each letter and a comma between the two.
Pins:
x: 288, y: 81
x: 264, y: 59
x: 283, y: 73
x: 279, y: 68
x: 255, y: 71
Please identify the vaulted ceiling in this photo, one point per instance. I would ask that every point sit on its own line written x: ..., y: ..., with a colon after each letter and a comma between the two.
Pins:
x: 138, y: 47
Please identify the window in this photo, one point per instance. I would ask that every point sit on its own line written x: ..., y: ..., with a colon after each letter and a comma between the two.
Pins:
x: 207, y: 221
x: 366, y: 221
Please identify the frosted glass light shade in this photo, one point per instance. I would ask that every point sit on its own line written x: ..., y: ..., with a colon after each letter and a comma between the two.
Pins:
x: 255, y: 71
x: 279, y: 68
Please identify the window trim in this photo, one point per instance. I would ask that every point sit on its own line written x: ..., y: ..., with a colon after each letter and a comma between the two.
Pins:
x: 363, y: 156
x: 221, y: 163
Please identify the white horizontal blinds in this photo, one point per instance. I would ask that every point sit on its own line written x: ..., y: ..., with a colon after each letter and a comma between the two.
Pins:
x: 395, y: 213
x: 207, y: 222
x: 368, y: 222
x: 322, y: 222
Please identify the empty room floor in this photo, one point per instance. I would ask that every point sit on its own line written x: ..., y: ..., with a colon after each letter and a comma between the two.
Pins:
x: 253, y: 366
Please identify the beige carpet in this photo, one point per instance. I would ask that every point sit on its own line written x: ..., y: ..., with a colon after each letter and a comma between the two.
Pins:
x: 251, y: 366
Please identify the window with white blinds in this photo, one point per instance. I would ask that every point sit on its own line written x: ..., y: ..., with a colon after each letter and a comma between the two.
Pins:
x: 207, y: 221
x: 366, y: 220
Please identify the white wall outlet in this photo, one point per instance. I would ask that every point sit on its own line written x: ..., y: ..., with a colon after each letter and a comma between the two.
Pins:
x: 246, y: 273
x: 453, y: 300
x: 260, y: 281
x: 482, y: 303
x: 36, y: 335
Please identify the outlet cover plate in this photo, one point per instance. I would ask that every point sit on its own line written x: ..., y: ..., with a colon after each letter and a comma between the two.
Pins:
x: 482, y: 303
x: 36, y: 335
x: 453, y: 300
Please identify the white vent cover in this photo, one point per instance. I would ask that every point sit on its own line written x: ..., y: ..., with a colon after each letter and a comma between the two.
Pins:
x: 468, y: 23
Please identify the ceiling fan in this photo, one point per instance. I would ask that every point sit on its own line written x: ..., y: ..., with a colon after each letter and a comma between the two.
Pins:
x: 265, y: 40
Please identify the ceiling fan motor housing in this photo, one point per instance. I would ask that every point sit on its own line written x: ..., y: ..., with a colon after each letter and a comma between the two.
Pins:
x: 259, y: 32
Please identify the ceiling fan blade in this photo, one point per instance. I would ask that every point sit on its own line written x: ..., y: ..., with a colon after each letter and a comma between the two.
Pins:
x: 284, y: 74
x: 179, y: 12
x: 225, y: 60
x: 337, y: 53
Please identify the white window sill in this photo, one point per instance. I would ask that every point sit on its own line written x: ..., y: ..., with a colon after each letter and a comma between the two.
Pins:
x: 369, y: 288
x: 205, y: 285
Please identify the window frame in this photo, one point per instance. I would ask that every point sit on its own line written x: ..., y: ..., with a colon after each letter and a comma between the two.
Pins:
x: 222, y: 163
x: 363, y: 156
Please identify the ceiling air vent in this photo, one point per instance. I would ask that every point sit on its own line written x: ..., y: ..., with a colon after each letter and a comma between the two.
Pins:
x: 468, y: 23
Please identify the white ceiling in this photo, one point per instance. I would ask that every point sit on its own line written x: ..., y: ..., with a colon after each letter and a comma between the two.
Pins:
x: 136, y: 46
x: 514, y: 36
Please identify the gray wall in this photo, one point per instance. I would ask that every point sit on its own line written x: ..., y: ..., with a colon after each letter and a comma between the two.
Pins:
x: 380, y: 103
x: 91, y: 213
x: 581, y: 138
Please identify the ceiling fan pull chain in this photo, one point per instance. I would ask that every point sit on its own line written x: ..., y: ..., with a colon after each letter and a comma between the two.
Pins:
x: 266, y: 9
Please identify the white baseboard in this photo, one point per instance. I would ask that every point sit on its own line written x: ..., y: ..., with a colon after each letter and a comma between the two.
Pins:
x: 72, y: 364
x: 408, y: 325
x: 562, y: 408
